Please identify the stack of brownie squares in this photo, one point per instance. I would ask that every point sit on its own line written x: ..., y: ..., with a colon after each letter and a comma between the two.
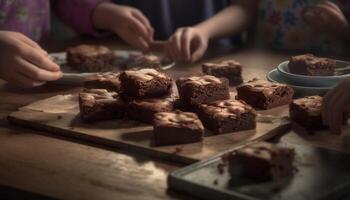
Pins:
x: 203, y: 101
x: 209, y: 97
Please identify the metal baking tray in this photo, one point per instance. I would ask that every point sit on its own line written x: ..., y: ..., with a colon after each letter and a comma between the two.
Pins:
x: 321, y: 174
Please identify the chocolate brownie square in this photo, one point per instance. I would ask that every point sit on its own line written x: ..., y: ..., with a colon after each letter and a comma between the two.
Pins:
x: 227, y: 116
x: 306, y: 112
x: 196, y: 90
x: 109, y: 81
x: 230, y: 69
x: 264, y: 95
x: 90, y: 58
x: 145, y: 61
x: 177, y: 127
x: 311, y: 65
x: 99, y: 104
x: 262, y: 161
x: 144, y: 109
x: 145, y: 83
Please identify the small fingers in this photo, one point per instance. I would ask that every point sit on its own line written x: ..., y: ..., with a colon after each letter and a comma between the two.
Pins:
x: 21, y: 80
x: 176, y: 45
x: 35, y: 73
x: 136, y: 41
x: 331, y: 5
x: 34, y: 56
x: 199, y: 51
x: 31, y: 43
x: 140, y: 29
x: 140, y: 16
x: 185, y: 45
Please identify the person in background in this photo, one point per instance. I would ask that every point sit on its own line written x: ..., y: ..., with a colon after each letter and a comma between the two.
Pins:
x: 188, y: 25
x: 24, y: 23
x: 315, y: 26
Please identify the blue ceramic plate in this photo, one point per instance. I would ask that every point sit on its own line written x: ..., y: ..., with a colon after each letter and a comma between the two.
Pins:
x: 275, y: 76
x: 318, y: 81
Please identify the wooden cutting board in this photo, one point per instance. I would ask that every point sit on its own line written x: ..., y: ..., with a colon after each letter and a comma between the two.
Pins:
x: 60, y: 115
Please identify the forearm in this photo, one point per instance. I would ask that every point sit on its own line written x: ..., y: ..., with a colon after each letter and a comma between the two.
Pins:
x: 232, y: 20
x: 101, y: 18
x: 78, y: 14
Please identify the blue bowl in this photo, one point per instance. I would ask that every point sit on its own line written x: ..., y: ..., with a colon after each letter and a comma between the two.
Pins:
x: 315, y: 81
x: 299, y: 91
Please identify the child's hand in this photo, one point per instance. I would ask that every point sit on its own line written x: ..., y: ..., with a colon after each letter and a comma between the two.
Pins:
x: 335, y: 102
x: 187, y: 44
x: 326, y: 17
x: 23, y: 62
x: 127, y: 22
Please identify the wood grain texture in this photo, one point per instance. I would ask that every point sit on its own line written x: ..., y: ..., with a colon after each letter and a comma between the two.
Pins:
x: 60, y: 115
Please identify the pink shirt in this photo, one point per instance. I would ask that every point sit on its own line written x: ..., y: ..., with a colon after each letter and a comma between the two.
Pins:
x: 32, y: 17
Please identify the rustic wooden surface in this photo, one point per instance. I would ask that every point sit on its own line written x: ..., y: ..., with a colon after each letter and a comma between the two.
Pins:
x: 56, y: 167
x: 60, y: 115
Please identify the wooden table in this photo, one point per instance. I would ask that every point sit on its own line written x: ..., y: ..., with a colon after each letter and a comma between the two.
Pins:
x: 49, y: 166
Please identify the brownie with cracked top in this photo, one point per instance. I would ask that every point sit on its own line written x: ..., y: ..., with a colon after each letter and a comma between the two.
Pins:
x: 99, y: 104
x: 230, y: 69
x: 310, y: 65
x: 262, y: 161
x: 145, y: 83
x: 196, y: 90
x: 306, y: 112
x: 176, y: 127
x: 227, y: 116
x: 90, y: 58
x: 264, y: 95
x: 109, y: 81
x: 144, y: 109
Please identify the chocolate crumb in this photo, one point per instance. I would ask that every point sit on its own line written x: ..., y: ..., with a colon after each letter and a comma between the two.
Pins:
x: 59, y: 117
x: 216, y: 181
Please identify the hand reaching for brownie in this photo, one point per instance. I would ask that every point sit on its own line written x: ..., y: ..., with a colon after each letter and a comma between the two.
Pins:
x: 127, y: 22
x: 334, y: 105
x: 187, y: 44
x: 23, y: 62
x: 326, y: 17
